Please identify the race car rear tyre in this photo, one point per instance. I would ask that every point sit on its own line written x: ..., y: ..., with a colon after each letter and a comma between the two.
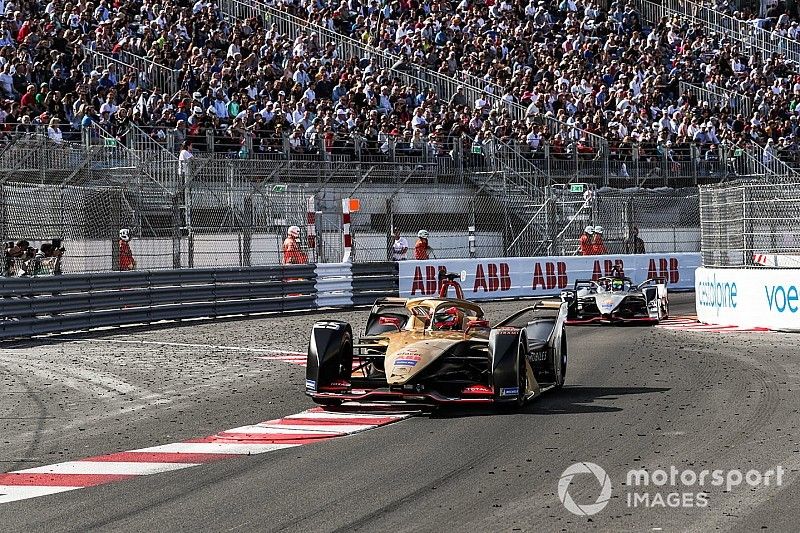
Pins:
x: 560, y: 368
x: 522, y: 373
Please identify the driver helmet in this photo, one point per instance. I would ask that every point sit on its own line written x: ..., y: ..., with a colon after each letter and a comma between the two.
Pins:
x: 617, y: 284
x: 448, y: 319
x: 589, y: 230
x: 422, y: 234
x: 125, y: 234
x: 294, y: 231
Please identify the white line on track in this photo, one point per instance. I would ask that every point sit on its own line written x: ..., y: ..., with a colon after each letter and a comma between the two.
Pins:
x: 192, y: 345
x: 107, y: 467
x: 215, y: 447
x: 13, y: 493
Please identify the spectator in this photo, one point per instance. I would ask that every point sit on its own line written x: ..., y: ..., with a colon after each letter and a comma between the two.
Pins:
x: 183, y: 159
x: 598, y: 247
x: 126, y: 260
x: 292, y: 255
x: 54, y: 131
x: 585, y: 241
x: 399, y: 247
x: 634, y: 244
x: 422, y: 249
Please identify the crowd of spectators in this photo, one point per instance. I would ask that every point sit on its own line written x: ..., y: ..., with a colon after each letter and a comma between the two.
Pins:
x: 601, y: 72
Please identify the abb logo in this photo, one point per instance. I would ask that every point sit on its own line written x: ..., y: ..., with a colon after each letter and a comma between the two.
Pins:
x: 668, y: 268
x: 429, y: 282
x: 607, y: 268
x: 554, y: 275
x: 497, y: 275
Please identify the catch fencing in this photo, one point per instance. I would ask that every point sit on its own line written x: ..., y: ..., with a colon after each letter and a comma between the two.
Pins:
x: 748, y: 224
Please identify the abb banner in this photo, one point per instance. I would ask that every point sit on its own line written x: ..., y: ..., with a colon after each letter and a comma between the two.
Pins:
x: 519, y: 277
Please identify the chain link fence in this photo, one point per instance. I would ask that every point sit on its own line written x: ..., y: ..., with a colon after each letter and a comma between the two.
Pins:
x: 748, y: 224
x: 667, y: 220
x: 214, y: 210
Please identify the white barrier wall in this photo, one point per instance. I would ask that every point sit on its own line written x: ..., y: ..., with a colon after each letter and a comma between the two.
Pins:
x: 516, y: 277
x: 752, y: 298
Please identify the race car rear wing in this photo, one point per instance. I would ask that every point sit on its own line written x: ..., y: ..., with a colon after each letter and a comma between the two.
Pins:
x: 584, y: 284
x: 658, y: 280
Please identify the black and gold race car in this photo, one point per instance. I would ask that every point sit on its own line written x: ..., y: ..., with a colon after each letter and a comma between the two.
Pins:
x: 439, y: 350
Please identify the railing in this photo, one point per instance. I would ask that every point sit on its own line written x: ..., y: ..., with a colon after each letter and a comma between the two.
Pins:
x: 149, y: 74
x: 720, y: 98
x: 750, y: 36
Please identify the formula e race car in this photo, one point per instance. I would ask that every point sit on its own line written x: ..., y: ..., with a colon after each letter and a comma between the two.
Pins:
x: 439, y: 350
x: 616, y: 300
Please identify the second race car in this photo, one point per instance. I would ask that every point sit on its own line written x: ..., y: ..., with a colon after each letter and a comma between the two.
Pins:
x: 617, y: 300
x: 439, y: 350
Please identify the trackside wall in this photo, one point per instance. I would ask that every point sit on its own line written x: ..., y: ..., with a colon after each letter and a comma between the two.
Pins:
x: 752, y: 298
x: 489, y: 279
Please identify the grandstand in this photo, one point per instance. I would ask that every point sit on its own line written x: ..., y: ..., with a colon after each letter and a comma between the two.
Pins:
x: 491, y: 109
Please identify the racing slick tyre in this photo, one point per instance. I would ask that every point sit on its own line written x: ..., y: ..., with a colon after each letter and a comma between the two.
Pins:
x: 560, y: 366
x: 330, y: 358
x: 508, y: 348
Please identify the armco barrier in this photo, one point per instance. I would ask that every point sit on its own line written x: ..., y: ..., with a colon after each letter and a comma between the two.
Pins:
x: 749, y: 297
x: 33, y: 306
x: 525, y: 277
x: 334, y: 285
x: 374, y: 280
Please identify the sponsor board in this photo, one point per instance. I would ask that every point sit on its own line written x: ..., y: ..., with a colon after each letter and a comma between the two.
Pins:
x: 749, y: 298
x: 519, y: 277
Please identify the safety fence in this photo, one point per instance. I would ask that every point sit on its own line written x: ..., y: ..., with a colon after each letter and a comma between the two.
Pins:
x: 33, y: 306
x: 750, y: 224
x: 232, y: 214
x: 70, y: 303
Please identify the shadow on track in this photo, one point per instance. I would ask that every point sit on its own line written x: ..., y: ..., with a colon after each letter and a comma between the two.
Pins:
x: 569, y: 400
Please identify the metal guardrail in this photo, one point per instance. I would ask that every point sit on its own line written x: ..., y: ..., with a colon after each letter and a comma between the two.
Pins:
x: 751, y: 37
x: 34, y: 306
x: 718, y: 97
x: 149, y: 74
x: 374, y: 280
x: 78, y: 302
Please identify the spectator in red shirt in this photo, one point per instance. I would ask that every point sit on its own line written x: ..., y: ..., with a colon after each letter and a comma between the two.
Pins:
x: 585, y: 242
x: 422, y: 249
x: 291, y: 248
x: 126, y: 260
x: 598, y: 246
x: 29, y: 98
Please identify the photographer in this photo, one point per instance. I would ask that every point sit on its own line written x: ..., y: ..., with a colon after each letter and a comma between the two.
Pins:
x: 48, y: 259
x: 17, y: 257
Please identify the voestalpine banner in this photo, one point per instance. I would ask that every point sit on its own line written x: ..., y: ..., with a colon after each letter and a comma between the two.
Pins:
x: 519, y: 277
x: 749, y: 297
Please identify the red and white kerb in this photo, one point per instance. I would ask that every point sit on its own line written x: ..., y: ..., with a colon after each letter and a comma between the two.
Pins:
x: 347, y: 237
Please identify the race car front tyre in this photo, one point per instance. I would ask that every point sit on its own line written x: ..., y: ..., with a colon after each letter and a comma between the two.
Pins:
x: 507, y: 349
x: 330, y: 355
x: 560, y: 362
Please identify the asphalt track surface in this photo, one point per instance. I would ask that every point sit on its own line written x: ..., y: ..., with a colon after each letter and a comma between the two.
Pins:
x: 636, y: 398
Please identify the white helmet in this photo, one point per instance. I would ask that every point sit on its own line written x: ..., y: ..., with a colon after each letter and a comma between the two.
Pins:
x: 598, y: 229
x: 422, y: 234
x: 589, y: 230
x: 294, y: 231
x: 125, y: 234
